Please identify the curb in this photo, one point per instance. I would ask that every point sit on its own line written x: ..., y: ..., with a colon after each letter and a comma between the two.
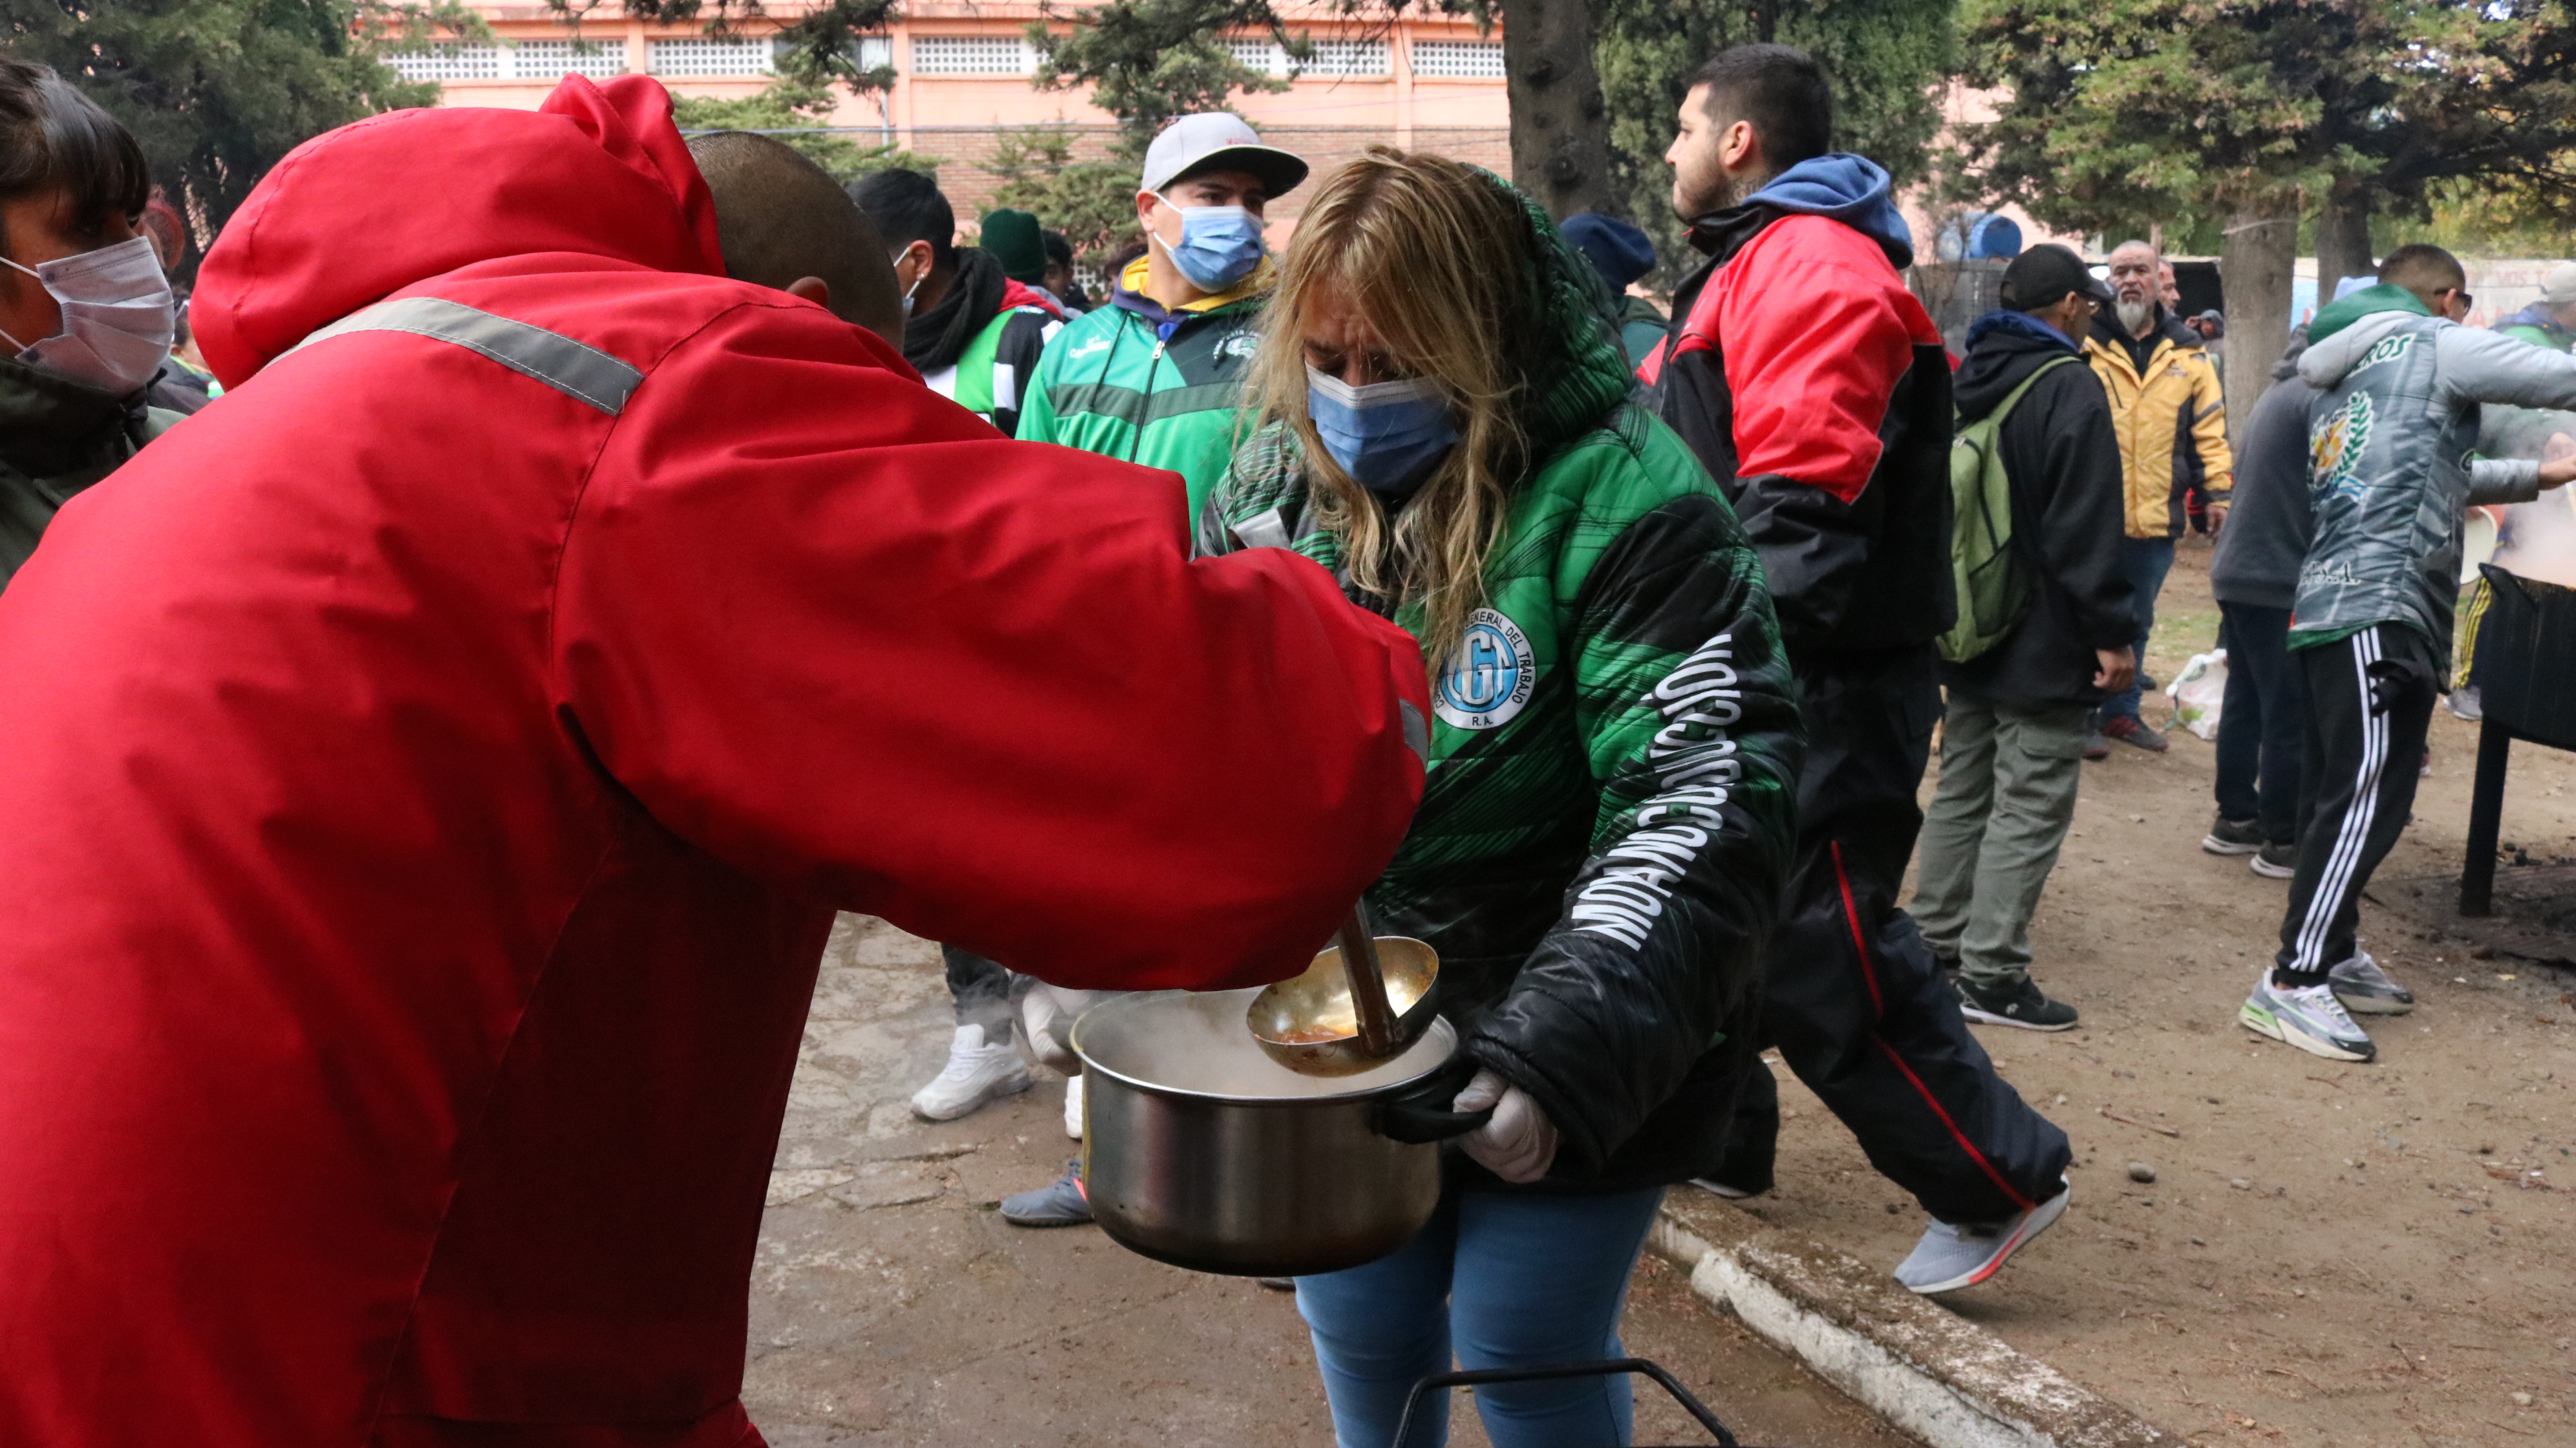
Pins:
x: 1932, y: 1375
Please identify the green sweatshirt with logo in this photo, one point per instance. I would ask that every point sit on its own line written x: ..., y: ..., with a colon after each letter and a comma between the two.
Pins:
x: 1150, y: 384
x: 1610, y: 810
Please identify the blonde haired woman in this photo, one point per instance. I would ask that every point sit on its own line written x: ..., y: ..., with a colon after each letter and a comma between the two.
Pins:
x: 1441, y: 418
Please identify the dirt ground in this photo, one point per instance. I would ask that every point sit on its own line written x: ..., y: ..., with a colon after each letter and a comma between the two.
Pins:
x: 2328, y: 1253
x: 890, y: 1304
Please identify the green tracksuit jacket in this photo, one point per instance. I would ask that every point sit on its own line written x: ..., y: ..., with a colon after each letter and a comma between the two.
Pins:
x: 1146, y: 384
x: 1610, y: 809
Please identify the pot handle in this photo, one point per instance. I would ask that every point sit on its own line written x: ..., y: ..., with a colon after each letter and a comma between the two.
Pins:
x: 1420, y: 1113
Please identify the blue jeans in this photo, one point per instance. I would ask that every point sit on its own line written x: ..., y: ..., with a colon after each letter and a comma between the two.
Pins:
x: 2144, y: 562
x: 1515, y: 1280
x: 2262, y: 722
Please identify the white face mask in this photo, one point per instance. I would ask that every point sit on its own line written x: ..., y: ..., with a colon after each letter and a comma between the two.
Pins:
x: 117, y: 317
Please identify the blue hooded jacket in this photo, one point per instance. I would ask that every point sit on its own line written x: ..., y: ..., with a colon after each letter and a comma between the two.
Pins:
x: 1849, y: 189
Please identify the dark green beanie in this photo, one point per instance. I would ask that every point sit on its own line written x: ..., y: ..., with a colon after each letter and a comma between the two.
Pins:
x: 1012, y: 238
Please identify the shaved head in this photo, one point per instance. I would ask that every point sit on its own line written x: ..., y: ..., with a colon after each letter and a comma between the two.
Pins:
x: 785, y: 224
x: 2427, y: 271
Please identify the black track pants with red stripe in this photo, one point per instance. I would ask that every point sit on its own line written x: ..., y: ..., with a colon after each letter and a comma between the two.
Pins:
x: 2370, y: 703
x: 1854, y: 1000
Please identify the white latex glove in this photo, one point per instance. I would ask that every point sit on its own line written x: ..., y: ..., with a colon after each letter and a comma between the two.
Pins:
x: 1519, y: 1144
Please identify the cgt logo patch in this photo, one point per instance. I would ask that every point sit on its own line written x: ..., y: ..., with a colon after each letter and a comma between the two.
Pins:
x: 1489, y: 678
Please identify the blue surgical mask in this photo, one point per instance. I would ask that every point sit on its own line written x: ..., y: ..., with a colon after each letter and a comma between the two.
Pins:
x: 1385, y: 434
x: 1220, y: 245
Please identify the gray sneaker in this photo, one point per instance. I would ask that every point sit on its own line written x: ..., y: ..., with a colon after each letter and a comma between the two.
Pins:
x: 1953, y: 1255
x: 1060, y: 1203
x: 2366, y: 990
x: 2232, y: 837
x: 2275, y: 862
x: 2308, y: 1017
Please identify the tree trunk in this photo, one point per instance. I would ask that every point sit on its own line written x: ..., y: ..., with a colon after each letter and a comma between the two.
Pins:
x: 2343, y: 238
x: 2254, y: 265
x: 1560, y: 130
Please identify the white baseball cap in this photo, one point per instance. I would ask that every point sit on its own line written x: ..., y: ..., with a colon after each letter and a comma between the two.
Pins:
x: 1218, y: 141
x: 2560, y: 288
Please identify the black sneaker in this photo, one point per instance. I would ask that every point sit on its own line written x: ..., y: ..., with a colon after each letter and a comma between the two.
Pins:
x: 1061, y: 1203
x: 2019, y: 1004
x: 2232, y: 837
x: 2276, y: 862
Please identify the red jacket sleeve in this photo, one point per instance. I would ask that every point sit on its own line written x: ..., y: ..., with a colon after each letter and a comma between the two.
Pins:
x: 1817, y: 332
x: 828, y: 627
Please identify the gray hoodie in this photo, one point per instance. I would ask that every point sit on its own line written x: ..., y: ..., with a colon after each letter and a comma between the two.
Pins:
x: 2390, y: 472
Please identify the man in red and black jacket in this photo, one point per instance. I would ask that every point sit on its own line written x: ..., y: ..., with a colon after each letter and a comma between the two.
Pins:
x: 1814, y: 387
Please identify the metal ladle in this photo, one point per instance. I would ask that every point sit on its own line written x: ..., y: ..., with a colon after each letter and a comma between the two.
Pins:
x: 1381, y: 986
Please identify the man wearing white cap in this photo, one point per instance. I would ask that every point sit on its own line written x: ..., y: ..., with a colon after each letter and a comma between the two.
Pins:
x: 1150, y: 378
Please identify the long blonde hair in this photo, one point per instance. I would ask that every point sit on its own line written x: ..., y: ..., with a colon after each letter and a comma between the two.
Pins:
x: 1437, y: 256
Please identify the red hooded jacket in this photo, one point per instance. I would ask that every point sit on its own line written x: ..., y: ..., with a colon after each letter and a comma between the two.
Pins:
x: 432, y: 770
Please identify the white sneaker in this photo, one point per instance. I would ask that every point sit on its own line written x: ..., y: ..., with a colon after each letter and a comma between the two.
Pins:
x: 1073, y: 1107
x: 1953, y: 1255
x: 975, y: 1073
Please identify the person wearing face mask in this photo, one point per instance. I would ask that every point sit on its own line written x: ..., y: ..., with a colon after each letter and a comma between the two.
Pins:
x: 1151, y: 377
x: 1441, y: 417
x: 1154, y: 378
x: 85, y: 312
x: 971, y: 331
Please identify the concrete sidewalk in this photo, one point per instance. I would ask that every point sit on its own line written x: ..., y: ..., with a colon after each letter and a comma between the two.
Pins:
x: 891, y: 1305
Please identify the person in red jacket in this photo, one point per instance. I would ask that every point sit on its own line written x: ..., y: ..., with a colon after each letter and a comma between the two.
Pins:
x: 1814, y: 387
x: 433, y: 771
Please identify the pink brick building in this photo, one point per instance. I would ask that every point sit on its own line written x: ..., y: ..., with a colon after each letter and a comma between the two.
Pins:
x: 962, y: 75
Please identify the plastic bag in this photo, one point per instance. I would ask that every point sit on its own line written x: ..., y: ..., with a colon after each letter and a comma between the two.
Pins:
x: 2196, y: 693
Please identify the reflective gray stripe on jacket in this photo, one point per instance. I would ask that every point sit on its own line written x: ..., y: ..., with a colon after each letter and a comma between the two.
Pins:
x: 2390, y: 473
x: 575, y: 369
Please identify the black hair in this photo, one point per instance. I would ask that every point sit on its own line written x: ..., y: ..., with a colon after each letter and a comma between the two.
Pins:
x: 908, y: 207
x: 1781, y: 90
x: 2419, y: 267
x: 1058, y: 250
x: 52, y: 137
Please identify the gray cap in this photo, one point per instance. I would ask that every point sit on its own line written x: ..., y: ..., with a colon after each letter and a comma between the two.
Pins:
x: 1218, y: 141
x: 2560, y: 288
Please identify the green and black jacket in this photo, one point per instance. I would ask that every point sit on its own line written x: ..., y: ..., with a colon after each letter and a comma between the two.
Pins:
x: 1149, y: 384
x: 57, y: 437
x: 1611, y: 804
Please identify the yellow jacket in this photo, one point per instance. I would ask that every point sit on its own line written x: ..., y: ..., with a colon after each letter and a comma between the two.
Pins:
x: 2172, y: 424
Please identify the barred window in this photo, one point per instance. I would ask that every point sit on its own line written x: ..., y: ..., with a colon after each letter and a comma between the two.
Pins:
x: 555, y: 59
x: 972, y: 55
x: 709, y: 57
x: 1264, y: 56
x: 455, y: 62
x: 1350, y: 57
x: 1458, y: 59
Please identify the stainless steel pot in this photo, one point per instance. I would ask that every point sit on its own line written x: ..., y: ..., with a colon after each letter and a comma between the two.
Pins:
x: 1200, y: 1151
